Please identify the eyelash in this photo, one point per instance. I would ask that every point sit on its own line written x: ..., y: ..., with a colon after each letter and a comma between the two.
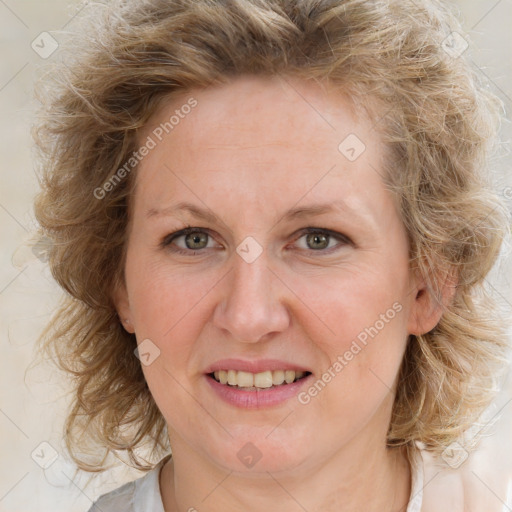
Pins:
x: 167, y: 241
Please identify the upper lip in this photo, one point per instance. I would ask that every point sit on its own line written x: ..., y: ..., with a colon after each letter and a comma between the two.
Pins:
x: 255, y: 366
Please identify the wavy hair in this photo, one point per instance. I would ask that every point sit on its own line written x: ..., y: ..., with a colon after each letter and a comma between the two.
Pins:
x: 125, y: 58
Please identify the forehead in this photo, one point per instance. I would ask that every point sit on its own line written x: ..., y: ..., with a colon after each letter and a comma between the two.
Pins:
x: 256, y: 135
x: 263, y: 110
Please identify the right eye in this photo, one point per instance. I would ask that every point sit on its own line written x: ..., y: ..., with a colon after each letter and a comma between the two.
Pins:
x: 189, y: 241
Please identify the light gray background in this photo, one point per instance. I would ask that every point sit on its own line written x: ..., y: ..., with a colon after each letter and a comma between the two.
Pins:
x: 33, y: 401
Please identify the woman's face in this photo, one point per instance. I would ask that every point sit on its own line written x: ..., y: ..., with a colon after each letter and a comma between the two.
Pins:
x: 251, y: 295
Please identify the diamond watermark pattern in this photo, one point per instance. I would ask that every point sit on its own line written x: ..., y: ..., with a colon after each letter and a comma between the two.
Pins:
x: 352, y: 147
x: 44, y: 45
x: 455, y: 455
x: 249, y: 250
x: 44, y: 455
x: 249, y: 455
x: 455, y: 45
x: 147, y: 352
x: 41, y: 248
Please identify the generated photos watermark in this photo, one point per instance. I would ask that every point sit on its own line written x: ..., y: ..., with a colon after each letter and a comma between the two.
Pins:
x: 152, y: 140
x: 357, y: 345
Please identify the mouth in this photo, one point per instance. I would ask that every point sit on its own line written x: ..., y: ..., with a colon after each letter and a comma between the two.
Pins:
x: 256, y: 384
x: 266, y: 380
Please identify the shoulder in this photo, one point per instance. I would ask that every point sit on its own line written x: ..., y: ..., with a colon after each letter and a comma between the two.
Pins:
x: 118, y: 500
x: 443, y: 480
x: 417, y: 482
x: 139, y: 495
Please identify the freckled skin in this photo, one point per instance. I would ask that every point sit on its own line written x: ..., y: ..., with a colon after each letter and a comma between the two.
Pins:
x: 249, y: 151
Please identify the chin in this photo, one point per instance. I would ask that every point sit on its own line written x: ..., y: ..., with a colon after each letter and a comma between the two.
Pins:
x: 255, y: 454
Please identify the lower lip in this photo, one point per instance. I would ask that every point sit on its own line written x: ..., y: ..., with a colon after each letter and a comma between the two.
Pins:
x: 259, y: 399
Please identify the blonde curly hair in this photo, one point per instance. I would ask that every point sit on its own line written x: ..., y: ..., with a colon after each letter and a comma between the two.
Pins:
x: 126, y: 58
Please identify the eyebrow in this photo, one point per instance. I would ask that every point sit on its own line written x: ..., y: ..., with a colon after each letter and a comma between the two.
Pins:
x: 196, y: 211
x: 295, y: 213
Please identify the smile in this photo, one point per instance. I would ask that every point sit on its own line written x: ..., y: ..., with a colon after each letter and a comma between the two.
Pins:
x: 248, y: 381
x: 261, y: 390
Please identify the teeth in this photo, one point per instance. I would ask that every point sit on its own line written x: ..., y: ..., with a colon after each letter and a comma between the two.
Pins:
x: 232, y: 380
x: 246, y: 379
x: 262, y: 380
x: 277, y: 377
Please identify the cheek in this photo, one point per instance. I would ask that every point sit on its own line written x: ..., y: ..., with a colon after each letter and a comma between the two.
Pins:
x: 363, y: 338
x: 161, y: 297
x: 358, y: 380
x: 164, y: 307
x: 348, y: 303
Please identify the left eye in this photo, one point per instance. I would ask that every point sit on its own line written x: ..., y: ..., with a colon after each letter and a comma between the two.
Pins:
x: 320, y: 240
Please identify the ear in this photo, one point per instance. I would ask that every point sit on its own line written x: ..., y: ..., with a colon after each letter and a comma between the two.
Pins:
x: 122, y: 304
x: 427, y: 306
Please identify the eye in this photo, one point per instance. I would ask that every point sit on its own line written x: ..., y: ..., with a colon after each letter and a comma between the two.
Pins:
x: 188, y: 240
x: 321, y: 240
x: 193, y: 240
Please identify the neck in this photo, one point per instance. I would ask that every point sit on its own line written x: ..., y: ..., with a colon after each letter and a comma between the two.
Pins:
x: 360, y: 478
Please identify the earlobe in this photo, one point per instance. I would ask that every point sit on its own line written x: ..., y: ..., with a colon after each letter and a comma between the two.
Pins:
x: 127, y: 324
x: 122, y: 305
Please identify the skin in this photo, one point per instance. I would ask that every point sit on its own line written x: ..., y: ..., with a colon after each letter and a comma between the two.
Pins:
x: 250, y: 151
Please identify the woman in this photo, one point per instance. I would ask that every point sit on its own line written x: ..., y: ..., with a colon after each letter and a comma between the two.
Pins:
x: 273, y: 224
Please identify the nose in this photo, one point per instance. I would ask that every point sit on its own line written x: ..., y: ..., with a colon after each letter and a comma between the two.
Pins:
x: 253, y: 303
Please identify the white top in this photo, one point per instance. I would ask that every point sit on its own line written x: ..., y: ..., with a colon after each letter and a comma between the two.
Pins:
x: 143, y: 494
